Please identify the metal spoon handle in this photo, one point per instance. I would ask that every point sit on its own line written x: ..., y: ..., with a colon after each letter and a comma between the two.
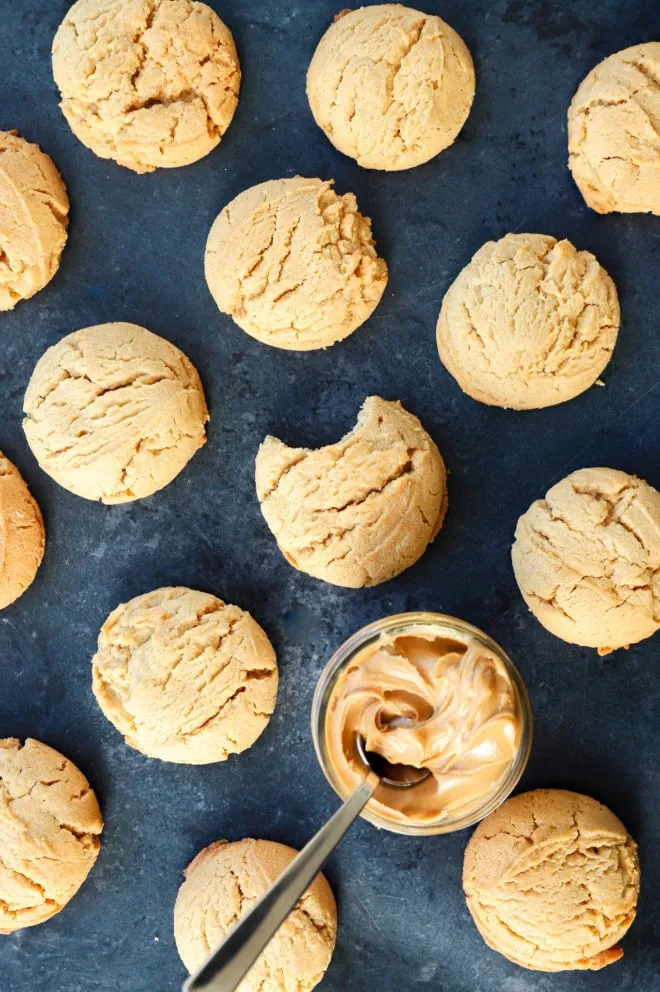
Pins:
x: 230, y: 962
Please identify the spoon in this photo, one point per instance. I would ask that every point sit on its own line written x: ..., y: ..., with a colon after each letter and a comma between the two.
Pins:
x: 232, y: 959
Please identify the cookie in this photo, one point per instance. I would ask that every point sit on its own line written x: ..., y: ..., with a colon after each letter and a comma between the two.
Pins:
x: 114, y: 412
x: 294, y: 264
x: 34, y: 215
x: 22, y: 534
x: 613, y: 127
x: 551, y: 880
x: 587, y: 559
x: 223, y: 883
x: 358, y: 512
x: 390, y: 87
x: 49, y: 832
x: 185, y: 677
x: 528, y: 323
x: 148, y: 83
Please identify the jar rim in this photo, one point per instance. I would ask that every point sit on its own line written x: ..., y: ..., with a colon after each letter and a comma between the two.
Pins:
x: 404, y: 623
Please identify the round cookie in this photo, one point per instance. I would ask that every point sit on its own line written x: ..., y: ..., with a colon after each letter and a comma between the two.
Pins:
x: 528, y: 323
x: 551, y: 880
x: 390, y: 86
x: 22, y: 534
x: 185, y: 677
x: 223, y: 883
x: 114, y: 412
x: 148, y: 83
x: 358, y: 512
x: 294, y: 264
x: 587, y: 559
x: 49, y: 832
x: 34, y: 215
x: 613, y: 127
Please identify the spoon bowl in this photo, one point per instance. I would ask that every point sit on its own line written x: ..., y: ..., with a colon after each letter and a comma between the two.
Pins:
x: 394, y: 776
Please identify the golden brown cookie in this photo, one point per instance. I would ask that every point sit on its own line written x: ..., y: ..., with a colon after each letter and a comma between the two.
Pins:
x: 22, y: 534
x: 294, y: 264
x: 49, y: 832
x: 114, y: 412
x: 551, y: 880
x: 613, y: 128
x: 223, y: 883
x: 185, y: 677
x: 34, y: 215
x: 358, y: 512
x: 148, y: 83
x: 587, y: 559
x: 390, y: 86
x: 528, y: 323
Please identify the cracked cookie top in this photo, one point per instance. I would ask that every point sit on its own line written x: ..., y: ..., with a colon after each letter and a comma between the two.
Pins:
x: 358, y: 512
x: 614, y: 132
x: 148, y: 83
x: 587, y: 559
x: 528, y: 323
x: 223, y: 883
x: 34, y: 214
x: 22, y: 534
x: 294, y: 264
x: 114, y: 412
x: 50, y: 824
x: 390, y: 86
x: 185, y: 677
x: 551, y: 880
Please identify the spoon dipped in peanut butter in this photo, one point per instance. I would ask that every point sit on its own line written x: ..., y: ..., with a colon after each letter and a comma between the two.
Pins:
x: 396, y: 776
x: 230, y: 962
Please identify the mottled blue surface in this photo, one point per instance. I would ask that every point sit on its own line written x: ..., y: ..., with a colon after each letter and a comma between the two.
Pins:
x: 135, y: 253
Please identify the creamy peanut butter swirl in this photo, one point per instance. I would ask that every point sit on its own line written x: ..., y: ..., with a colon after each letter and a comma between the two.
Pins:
x: 426, y: 701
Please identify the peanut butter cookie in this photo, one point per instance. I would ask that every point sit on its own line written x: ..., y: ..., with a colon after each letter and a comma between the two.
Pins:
x: 528, y: 323
x: 34, y: 215
x: 114, y: 412
x: 552, y: 880
x: 613, y: 128
x: 358, y: 512
x: 148, y: 83
x: 294, y: 264
x: 587, y: 559
x: 185, y: 677
x: 49, y: 832
x: 22, y: 534
x: 223, y: 883
x: 390, y: 86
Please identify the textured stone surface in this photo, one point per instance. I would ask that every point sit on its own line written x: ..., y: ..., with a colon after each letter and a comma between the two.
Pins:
x: 135, y: 252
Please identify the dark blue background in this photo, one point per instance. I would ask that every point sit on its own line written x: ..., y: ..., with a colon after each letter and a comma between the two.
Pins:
x: 136, y: 253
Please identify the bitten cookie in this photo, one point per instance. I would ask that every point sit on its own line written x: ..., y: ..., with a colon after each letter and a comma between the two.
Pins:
x: 528, y: 323
x: 613, y: 128
x: 587, y: 559
x: 185, y: 677
x: 390, y: 86
x: 148, y: 83
x: 358, y: 512
x: 223, y: 883
x: 22, y: 534
x: 49, y: 832
x: 114, y: 412
x: 34, y: 214
x: 294, y: 264
x: 551, y: 880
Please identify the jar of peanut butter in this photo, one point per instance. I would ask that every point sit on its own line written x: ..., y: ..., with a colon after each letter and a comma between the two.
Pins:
x: 424, y: 691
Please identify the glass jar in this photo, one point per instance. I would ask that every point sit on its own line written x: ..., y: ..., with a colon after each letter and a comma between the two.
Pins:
x: 409, y: 624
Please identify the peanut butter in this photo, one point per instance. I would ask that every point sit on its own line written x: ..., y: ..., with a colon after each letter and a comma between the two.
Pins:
x: 428, y: 702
